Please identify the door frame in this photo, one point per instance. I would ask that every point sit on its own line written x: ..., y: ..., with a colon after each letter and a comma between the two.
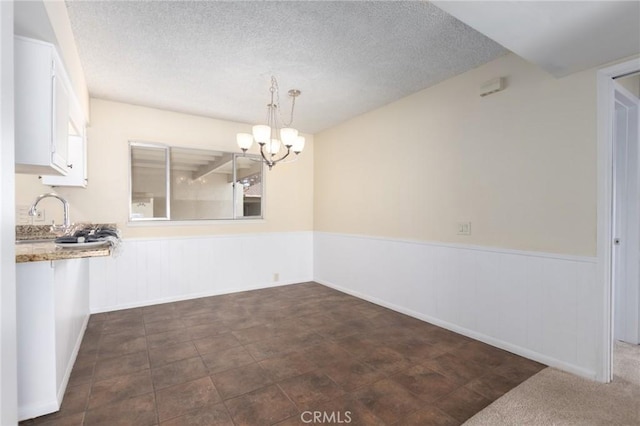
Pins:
x: 604, y: 245
x: 625, y: 312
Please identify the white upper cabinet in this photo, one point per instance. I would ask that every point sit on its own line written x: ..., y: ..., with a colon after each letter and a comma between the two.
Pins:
x: 45, y: 110
x: 76, y: 154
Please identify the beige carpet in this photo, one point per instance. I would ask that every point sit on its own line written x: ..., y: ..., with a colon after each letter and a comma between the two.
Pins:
x: 553, y: 397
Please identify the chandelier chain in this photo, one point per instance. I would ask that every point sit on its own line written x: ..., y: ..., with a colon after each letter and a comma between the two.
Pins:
x: 274, y: 84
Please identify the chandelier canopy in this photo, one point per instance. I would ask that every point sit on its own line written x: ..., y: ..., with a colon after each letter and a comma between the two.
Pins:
x: 276, y: 138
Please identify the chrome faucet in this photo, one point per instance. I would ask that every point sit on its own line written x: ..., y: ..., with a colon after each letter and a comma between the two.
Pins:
x: 65, y: 206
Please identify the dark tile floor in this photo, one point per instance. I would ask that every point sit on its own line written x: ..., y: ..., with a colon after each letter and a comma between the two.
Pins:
x: 279, y: 356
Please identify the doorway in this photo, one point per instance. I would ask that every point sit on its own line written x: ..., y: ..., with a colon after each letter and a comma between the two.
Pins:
x: 626, y: 211
x: 612, y: 211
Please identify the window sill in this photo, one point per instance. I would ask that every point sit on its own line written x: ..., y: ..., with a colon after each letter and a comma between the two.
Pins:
x: 204, y: 222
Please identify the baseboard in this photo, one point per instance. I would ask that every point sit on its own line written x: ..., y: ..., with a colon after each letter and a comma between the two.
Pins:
x: 31, y: 411
x: 181, y: 297
x: 518, y: 350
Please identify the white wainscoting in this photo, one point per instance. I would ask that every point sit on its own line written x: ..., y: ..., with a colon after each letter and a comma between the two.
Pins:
x: 151, y: 271
x: 542, y: 306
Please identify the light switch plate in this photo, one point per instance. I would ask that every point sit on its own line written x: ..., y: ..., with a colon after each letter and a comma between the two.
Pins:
x: 464, y: 228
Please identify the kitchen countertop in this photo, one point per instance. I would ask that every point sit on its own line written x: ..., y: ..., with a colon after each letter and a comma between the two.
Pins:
x: 36, y: 252
x: 47, y: 250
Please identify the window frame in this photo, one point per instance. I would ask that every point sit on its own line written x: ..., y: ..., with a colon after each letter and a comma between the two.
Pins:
x: 167, y: 220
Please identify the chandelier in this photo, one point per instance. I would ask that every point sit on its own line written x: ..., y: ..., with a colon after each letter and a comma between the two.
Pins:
x: 276, y: 138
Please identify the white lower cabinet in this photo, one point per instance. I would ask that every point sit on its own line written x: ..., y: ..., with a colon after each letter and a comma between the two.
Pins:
x: 53, y: 311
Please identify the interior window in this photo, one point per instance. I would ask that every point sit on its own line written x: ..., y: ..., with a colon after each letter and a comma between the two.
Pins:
x: 249, y: 183
x: 194, y: 184
x: 149, y: 190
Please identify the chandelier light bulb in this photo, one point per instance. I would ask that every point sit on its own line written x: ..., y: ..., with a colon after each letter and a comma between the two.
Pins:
x: 298, y: 145
x: 273, y: 147
x: 262, y: 133
x: 245, y: 140
x: 288, y: 136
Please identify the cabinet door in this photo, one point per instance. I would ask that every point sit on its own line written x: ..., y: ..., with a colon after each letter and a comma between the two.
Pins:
x: 34, y: 65
x: 77, y: 175
x: 42, y: 96
x: 60, y: 116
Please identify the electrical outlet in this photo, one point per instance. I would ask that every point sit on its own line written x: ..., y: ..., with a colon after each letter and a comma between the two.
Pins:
x: 39, y: 217
x: 464, y: 228
x: 276, y: 276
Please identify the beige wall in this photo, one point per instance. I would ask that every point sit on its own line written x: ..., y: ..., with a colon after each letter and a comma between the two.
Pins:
x: 289, y: 187
x: 520, y: 165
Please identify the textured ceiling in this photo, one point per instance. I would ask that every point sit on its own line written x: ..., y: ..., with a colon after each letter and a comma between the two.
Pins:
x: 216, y: 58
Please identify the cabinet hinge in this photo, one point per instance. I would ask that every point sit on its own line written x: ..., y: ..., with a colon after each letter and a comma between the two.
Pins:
x: 53, y: 68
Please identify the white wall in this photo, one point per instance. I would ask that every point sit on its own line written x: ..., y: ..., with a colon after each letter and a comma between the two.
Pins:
x: 540, y: 305
x: 8, y: 379
x: 158, y: 270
